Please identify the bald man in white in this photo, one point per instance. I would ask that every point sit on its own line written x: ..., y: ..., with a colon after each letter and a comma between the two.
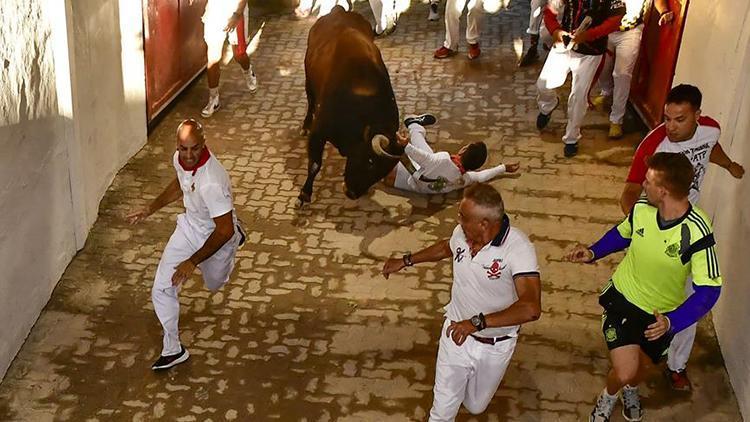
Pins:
x: 205, y: 235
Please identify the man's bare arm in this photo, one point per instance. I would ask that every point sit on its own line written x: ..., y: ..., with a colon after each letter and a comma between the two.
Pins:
x: 223, y: 231
x: 170, y: 194
x: 436, y: 252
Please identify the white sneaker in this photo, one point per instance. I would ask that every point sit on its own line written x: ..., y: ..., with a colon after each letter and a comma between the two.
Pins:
x: 211, y: 108
x: 603, y: 409
x: 434, y: 15
x: 631, y: 404
x: 252, y: 80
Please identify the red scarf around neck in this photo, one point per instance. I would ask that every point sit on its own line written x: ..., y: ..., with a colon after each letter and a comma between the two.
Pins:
x: 457, y: 161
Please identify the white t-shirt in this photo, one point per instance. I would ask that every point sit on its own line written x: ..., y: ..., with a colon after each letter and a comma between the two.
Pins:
x: 207, y: 194
x: 697, y: 149
x: 484, y: 283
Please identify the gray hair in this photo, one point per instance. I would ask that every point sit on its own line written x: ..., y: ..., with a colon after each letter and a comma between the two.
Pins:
x: 487, y: 199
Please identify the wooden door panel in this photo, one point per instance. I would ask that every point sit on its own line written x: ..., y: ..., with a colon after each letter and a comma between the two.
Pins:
x: 654, y: 72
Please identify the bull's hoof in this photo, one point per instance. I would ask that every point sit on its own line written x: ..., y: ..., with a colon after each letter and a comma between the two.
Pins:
x: 302, y: 200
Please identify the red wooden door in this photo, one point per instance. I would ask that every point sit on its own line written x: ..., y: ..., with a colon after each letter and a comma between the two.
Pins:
x: 654, y: 72
x: 173, y: 48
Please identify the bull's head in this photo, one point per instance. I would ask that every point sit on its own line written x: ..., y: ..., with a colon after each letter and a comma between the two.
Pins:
x: 370, y: 163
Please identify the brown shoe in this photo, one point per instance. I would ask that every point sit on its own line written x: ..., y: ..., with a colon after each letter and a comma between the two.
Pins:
x: 474, y: 51
x: 443, y: 53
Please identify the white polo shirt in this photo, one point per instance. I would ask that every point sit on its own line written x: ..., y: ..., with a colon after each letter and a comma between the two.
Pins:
x: 206, y: 193
x: 484, y: 283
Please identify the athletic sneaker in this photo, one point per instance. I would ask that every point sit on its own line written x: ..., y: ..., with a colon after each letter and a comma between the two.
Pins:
x: 543, y: 119
x: 166, y: 362
x: 434, y: 15
x: 443, y: 53
x: 252, y: 81
x: 603, y: 409
x: 422, y: 120
x: 615, y: 131
x: 211, y: 108
x: 474, y: 51
x: 678, y: 380
x: 631, y: 404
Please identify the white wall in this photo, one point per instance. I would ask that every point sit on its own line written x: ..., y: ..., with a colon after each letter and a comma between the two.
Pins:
x: 72, y: 111
x: 715, y: 56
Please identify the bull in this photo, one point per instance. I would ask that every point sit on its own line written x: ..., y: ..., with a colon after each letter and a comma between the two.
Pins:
x: 350, y: 103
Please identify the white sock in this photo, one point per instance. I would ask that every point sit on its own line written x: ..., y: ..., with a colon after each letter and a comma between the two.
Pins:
x: 607, y: 396
x: 213, y: 92
x: 630, y: 387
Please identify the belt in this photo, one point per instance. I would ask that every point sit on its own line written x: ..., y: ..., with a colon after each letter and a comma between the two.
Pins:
x: 491, y: 340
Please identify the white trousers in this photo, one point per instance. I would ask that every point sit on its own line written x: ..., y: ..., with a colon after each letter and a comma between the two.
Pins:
x: 468, y: 374
x: 559, y: 63
x: 384, y: 13
x: 618, y: 70
x: 536, y: 16
x: 453, y: 11
x: 682, y: 343
x: 215, y: 270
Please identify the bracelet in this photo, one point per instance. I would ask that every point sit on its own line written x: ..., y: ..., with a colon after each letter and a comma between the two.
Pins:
x: 407, y: 260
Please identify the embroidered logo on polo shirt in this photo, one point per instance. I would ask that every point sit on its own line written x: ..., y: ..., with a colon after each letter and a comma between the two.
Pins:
x: 459, y: 254
x: 495, y: 270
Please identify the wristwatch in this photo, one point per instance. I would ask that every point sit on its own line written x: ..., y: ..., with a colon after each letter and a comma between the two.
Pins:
x: 478, y: 322
x: 407, y: 260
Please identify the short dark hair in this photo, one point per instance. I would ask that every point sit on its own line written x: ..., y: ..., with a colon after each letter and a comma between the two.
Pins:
x: 685, y: 93
x: 474, y: 156
x: 675, y: 171
x: 487, y: 197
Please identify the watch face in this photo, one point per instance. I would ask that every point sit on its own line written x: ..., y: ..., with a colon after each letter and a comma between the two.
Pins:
x: 475, y: 321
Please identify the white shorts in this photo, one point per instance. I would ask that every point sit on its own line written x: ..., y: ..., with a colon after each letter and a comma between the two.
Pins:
x: 214, y: 34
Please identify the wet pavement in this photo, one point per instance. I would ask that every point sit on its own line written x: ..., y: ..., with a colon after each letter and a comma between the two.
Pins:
x: 307, y: 329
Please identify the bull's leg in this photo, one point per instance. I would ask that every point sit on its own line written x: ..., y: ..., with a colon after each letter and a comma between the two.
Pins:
x: 310, y: 107
x: 315, y: 146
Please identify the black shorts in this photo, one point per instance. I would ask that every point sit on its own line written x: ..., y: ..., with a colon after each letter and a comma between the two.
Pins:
x: 623, y: 323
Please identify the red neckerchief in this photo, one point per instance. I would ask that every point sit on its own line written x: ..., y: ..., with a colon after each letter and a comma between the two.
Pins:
x: 205, y: 155
x: 457, y: 161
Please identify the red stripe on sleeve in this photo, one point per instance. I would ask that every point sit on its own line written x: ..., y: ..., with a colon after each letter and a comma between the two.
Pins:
x: 637, y: 173
x: 610, y: 25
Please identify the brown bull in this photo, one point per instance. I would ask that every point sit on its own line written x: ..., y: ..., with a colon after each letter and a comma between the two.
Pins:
x: 350, y: 103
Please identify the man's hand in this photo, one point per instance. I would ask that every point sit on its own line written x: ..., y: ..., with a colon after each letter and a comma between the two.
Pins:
x: 557, y: 37
x: 182, y: 272
x: 392, y: 265
x: 580, y: 254
x: 659, y: 328
x: 736, y: 170
x: 666, y: 18
x: 233, y: 21
x: 581, y: 37
x: 136, y: 216
x: 512, y: 167
x: 402, y: 137
x: 460, y: 331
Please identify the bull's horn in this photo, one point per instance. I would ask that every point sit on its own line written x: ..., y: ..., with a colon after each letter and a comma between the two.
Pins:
x: 379, y: 142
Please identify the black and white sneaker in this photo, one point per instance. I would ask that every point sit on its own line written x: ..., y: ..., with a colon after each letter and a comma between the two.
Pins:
x: 422, y: 120
x: 166, y: 362
x: 543, y: 119
x: 631, y: 404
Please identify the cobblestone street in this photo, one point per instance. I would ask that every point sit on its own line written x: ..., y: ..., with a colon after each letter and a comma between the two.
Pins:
x: 307, y: 328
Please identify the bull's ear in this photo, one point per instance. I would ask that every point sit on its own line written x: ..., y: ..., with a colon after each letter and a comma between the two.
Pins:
x: 379, y: 144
